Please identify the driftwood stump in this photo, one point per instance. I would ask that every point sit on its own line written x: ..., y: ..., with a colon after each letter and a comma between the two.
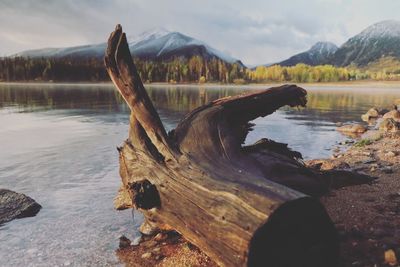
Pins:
x: 241, y: 205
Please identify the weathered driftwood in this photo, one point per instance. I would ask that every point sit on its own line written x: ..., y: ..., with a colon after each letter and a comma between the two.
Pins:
x: 242, y: 206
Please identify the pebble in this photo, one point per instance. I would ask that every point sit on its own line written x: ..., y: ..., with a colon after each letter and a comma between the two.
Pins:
x: 390, y: 257
x: 146, y: 229
x: 157, y: 249
x: 387, y: 170
x: 369, y: 161
x: 160, y: 237
x: 124, y: 242
x: 136, y: 240
x: 391, y: 154
x: 158, y: 257
x: 149, y: 244
x: 146, y: 255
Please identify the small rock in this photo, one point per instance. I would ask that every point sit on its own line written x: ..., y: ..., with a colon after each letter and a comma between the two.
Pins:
x: 124, y: 242
x: 369, y: 161
x: 390, y: 257
x: 391, y: 154
x: 387, y: 170
x: 352, y: 128
x: 393, y: 114
x: 159, y: 257
x: 149, y: 244
x: 160, y: 237
x: 157, y: 249
x: 371, y: 114
x: 146, y: 228
x: 389, y: 125
x: 136, y: 240
x: 146, y: 255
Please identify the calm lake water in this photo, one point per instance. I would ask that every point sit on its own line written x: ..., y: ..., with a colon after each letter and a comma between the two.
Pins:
x: 58, y: 145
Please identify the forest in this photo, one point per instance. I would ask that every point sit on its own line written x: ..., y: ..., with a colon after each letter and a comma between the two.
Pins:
x: 182, y: 70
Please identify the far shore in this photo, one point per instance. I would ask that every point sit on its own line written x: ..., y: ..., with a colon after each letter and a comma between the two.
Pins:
x: 361, y: 84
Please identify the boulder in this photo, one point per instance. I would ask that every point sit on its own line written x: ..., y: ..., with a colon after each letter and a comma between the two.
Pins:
x: 16, y: 205
x: 389, y: 125
x: 352, y: 128
x: 393, y: 114
x: 372, y: 113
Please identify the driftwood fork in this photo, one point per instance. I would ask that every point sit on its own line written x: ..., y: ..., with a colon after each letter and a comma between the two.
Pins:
x: 241, y: 205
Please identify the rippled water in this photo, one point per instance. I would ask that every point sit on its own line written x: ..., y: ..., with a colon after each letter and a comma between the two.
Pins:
x: 58, y: 145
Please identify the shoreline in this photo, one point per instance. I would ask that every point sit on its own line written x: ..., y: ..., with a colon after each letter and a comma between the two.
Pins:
x: 366, y: 216
x: 369, y: 83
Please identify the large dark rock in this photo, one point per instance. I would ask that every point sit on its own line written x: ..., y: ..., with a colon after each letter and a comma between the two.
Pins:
x: 14, y: 205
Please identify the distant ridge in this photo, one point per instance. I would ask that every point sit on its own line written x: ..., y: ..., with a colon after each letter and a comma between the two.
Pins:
x: 379, y: 40
x: 318, y: 54
x: 157, y: 44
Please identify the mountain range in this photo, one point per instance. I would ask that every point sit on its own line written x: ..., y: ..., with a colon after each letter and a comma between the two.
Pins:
x: 157, y: 44
x: 318, y: 53
x: 378, y: 41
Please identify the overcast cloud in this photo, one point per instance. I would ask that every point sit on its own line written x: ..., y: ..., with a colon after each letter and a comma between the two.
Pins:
x: 256, y: 32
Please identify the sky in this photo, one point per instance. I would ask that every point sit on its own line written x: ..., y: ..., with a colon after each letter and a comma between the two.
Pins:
x: 256, y: 32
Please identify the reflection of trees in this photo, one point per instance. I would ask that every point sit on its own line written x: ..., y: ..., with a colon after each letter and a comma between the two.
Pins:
x: 60, y: 96
x: 341, y: 105
x: 328, y: 105
x: 185, y: 98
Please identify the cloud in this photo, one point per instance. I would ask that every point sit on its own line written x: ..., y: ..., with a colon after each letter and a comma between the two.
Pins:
x: 260, y: 31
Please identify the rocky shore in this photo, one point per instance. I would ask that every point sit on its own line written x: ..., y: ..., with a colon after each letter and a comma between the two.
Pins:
x: 367, y: 216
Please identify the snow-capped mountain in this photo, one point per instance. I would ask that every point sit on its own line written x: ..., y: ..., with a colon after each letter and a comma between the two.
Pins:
x: 378, y: 40
x: 318, y: 54
x: 158, y: 44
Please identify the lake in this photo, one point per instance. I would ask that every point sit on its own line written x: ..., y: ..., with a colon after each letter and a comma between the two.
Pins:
x: 58, y: 145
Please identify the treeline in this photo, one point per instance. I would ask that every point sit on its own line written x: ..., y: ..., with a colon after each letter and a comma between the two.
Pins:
x: 324, y: 73
x: 52, y: 69
x: 195, y: 69
x: 181, y: 70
